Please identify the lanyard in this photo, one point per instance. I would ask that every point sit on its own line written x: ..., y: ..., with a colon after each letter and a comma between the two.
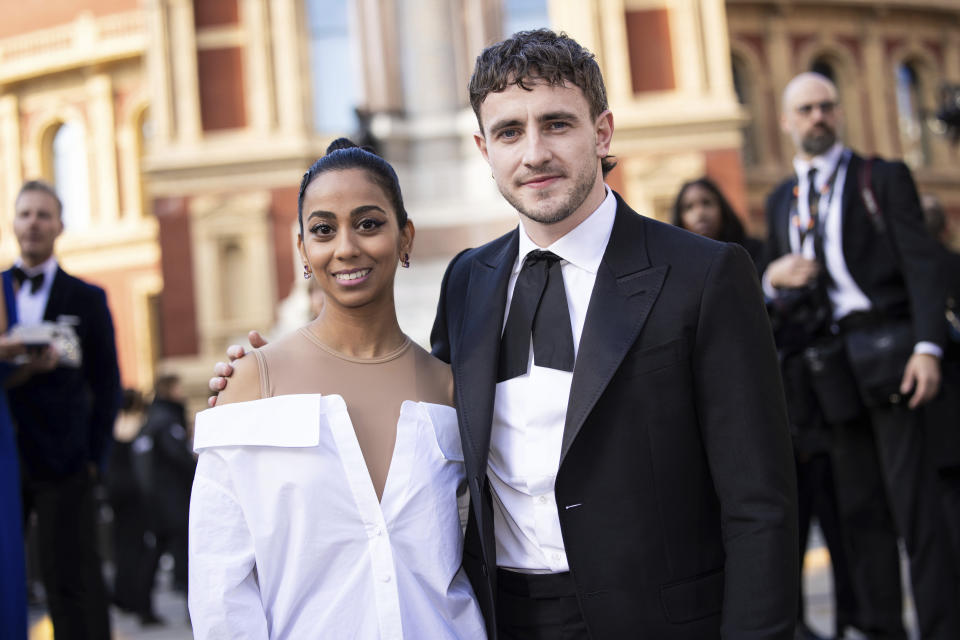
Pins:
x: 815, y: 223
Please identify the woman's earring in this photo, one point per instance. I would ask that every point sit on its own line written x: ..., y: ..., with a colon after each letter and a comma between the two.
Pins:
x: 306, y: 272
x: 405, y: 261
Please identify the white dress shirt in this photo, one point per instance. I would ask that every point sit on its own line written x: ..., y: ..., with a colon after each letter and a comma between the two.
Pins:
x: 845, y: 295
x: 529, y: 412
x: 31, y: 306
x: 289, y: 541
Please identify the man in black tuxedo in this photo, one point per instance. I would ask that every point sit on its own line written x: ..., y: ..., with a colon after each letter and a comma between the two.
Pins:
x: 629, y: 466
x: 623, y: 426
x: 846, y: 234
x: 64, y: 418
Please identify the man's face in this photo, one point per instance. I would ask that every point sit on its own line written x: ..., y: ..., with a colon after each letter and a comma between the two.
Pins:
x: 545, y: 150
x: 36, y: 224
x: 811, y: 116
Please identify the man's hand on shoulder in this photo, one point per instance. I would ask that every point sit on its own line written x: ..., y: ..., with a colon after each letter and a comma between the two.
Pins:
x: 223, y: 370
x: 922, y: 377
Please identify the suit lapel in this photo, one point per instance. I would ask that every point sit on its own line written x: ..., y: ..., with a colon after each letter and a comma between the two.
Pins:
x: 851, y: 198
x: 479, y: 342
x: 625, y: 290
x: 58, y: 294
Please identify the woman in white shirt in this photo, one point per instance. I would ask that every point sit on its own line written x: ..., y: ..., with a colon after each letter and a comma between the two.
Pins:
x: 325, y: 500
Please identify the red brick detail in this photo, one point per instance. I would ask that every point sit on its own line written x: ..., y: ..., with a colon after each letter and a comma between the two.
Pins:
x: 890, y: 44
x: 852, y: 44
x: 220, y: 74
x: 283, y: 216
x: 215, y: 13
x: 648, y: 44
x: 177, y: 305
x: 25, y: 16
x: 725, y: 167
x: 756, y: 43
x: 797, y: 43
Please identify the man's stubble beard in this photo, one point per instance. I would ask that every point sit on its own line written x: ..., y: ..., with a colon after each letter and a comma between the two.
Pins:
x: 817, y: 142
x: 576, y: 195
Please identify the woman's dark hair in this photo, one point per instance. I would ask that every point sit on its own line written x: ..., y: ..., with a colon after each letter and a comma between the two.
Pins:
x: 731, y: 229
x: 343, y: 154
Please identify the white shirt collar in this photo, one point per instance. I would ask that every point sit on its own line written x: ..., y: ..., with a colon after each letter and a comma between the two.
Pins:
x: 824, y: 164
x: 48, y: 267
x: 584, y: 245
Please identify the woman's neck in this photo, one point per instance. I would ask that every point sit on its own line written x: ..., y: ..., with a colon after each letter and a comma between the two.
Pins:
x: 364, y: 332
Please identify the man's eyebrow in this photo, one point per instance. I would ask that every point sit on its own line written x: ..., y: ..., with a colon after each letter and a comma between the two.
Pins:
x: 500, y: 125
x: 557, y: 115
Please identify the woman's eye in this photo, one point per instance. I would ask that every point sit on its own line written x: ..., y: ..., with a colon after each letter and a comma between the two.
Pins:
x: 369, y: 224
x: 321, y: 229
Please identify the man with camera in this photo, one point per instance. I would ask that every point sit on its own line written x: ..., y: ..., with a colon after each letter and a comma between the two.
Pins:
x: 857, y: 291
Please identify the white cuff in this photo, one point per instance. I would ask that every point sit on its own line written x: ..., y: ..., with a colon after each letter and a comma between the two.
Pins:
x: 928, y: 348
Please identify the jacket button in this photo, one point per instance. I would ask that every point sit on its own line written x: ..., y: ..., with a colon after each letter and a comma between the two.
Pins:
x: 483, y: 569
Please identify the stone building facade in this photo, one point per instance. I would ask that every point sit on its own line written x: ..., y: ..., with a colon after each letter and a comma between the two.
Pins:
x: 181, y: 129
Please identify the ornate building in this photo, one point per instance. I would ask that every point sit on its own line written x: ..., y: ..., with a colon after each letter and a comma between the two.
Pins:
x: 177, y: 130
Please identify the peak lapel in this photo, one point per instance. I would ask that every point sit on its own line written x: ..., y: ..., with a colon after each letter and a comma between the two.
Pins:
x: 58, y: 293
x: 625, y: 290
x: 479, y: 343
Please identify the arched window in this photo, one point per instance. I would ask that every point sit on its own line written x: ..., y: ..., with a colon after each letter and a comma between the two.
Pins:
x: 332, y: 75
x: 743, y: 88
x: 523, y: 15
x: 914, y: 138
x: 825, y: 68
x: 68, y: 164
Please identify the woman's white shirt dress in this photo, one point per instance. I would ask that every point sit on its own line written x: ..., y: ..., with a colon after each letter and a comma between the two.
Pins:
x: 289, y: 541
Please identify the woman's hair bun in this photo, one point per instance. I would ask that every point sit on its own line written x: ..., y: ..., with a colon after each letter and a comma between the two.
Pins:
x: 340, y: 143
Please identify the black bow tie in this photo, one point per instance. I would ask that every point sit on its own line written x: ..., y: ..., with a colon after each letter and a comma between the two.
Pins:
x: 35, y: 281
x: 539, y: 307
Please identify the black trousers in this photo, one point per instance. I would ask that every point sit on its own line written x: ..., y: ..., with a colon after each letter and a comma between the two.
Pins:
x: 69, y: 557
x: 538, y: 607
x: 816, y: 497
x: 887, y: 485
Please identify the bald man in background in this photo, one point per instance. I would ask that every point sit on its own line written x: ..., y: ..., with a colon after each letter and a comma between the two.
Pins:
x: 850, y: 260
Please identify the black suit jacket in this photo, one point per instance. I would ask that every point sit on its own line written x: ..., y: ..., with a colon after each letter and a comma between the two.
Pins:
x: 676, y: 490
x: 896, y: 268
x: 65, y: 417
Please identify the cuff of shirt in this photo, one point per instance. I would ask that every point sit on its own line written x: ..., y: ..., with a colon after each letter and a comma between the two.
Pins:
x: 929, y: 348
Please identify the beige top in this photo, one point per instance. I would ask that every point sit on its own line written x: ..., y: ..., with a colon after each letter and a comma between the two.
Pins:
x: 373, y: 389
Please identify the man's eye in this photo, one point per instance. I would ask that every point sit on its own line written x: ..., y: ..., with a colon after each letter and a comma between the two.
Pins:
x: 509, y: 134
x: 558, y: 125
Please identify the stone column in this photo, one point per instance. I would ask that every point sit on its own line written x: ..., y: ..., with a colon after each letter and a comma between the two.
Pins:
x: 99, y: 89
x: 259, y: 87
x: 288, y: 35
x: 183, y: 49
x: 158, y: 72
x: 879, y: 78
x: 11, y: 170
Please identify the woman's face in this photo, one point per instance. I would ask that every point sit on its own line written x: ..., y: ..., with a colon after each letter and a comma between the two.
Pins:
x: 351, y: 240
x: 700, y: 211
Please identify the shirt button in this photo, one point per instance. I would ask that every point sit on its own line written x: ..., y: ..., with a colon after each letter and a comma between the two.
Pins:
x: 377, y: 531
x: 542, y: 499
x: 385, y: 578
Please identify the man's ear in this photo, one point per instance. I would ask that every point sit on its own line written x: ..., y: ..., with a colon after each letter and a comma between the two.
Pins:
x: 481, y: 144
x: 603, y: 127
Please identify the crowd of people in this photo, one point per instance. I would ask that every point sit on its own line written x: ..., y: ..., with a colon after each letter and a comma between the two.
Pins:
x: 643, y: 421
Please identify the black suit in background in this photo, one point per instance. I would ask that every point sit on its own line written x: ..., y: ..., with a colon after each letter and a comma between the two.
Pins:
x: 882, y: 462
x: 165, y: 468
x: 64, y: 424
x: 676, y: 490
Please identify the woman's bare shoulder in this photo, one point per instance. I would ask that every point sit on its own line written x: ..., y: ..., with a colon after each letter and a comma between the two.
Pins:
x: 244, y: 384
x: 437, y: 372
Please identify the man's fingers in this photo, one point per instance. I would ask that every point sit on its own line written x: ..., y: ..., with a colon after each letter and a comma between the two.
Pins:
x: 223, y: 370
x: 216, y: 384
x: 235, y: 351
x: 256, y: 340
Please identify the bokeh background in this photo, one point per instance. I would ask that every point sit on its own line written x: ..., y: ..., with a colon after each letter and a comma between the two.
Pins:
x: 176, y: 131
